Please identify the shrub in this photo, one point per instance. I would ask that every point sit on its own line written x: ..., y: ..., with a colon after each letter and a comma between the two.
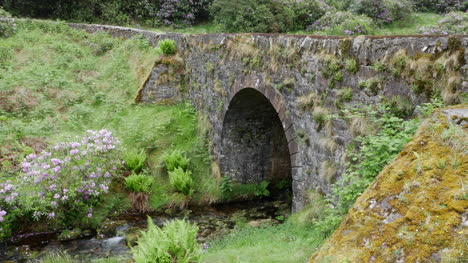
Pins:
x: 452, y: 23
x: 135, y: 160
x: 441, y: 6
x: 383, y: 11
x: 252, y: 16
x: 182, y: 181
x: 66, y: 181
x: 341, y: 5
x: 307, y: 12
x: 175, y: 242
x: 342, y: 23
x: 7, y: 24
x: 139, y: 183
x: 168, y: 46
x: 175, y: 159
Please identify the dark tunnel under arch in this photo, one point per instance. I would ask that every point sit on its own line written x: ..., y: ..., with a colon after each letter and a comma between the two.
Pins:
x: 254, y: 142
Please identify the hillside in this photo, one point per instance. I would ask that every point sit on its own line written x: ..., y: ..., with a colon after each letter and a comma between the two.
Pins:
x: 416, y: 210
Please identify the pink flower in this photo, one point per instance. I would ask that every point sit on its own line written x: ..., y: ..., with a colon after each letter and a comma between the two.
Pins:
x: 2, y: 214
x: 51, y: 215
x: 90, y: 215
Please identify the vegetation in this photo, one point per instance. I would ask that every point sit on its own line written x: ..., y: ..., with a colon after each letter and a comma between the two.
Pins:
x: 175, y: 159
x: 139, y: 183
x: 87, y: 82
x: 393, y: 209
x: 337, y: 17
x: 168, y: 46
x: 175, y: 242
x: 182, y: 181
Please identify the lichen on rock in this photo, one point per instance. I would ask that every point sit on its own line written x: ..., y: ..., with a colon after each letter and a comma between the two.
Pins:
x: 416, y: 210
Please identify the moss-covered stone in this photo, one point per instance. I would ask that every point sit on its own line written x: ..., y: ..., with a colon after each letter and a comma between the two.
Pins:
x: 406, y: 216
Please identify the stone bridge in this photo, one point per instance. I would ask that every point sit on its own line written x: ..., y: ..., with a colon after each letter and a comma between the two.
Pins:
x: 280, y: 106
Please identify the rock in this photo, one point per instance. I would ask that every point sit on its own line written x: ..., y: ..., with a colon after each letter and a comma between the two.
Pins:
x: 132, y: 235
x: 69, y: 234
x: 109, y: 227
x: 263, y: 222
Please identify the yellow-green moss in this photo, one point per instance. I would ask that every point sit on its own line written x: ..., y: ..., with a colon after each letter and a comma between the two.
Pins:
x: 406, y: 215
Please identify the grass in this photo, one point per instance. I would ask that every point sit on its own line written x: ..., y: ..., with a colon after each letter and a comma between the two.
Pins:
x: 410, y: 25
x: 289, y: 242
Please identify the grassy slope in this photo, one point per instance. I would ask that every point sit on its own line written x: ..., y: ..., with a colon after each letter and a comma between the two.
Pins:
x: 415, y: 208
x: 58, y: 82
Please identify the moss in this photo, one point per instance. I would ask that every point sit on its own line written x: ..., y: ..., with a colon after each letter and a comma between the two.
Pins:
x: 404, y: 215
x: 454, y: 43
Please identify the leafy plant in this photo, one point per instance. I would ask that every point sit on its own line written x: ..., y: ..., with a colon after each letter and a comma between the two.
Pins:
x: 175, y: 159
x: 252, y: 16
x: 139, y: 183
x: 175, y: 242
x: 374, y: 153
x: 261, y: 189
x: 168, y: 46
x: 182, y: 181
x: 383, y: 11
x: 226, y: 184
x: 7, y: 24
x: 351, y: 65
x: 135, y: 160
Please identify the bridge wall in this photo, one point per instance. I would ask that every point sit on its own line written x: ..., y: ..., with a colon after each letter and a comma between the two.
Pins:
x: 310, y: 81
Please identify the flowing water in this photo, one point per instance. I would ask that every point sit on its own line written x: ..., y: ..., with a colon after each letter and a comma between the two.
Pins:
x: 115, y: 235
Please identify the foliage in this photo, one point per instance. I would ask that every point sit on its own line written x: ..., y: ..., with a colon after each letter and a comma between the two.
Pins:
x: 168, y: 46
x: 383, y: 11
x: 182, y: 181
x: 307, y: 12
x: 66, y: 180
x: 375, y: 151
x: 175, y: 159
x: 452, y: 23
x: 252, y: 16
x: 7, y: 24
x: 135, y: 160
x: 226, y: 184
x: 426, y: 109
x: 341, y: 5
x: 175, y: 242
x: 441, y: 6
x: 342, y: 23
x: 181, y: 12
x: 139, y: 183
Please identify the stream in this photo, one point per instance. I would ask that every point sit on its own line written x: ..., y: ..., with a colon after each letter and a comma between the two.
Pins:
x: 114, y: 235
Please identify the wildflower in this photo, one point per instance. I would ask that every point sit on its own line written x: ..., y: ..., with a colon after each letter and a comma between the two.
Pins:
x: 51, y: 215
x: 2, y: 214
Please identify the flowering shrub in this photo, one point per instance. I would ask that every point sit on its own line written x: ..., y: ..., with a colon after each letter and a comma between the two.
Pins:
x: 383, y: 11
x: 180, y: 12
x: 452, y: 23
x: 342, y: 23
x: 7, y: 24
x: 66, y: 180
x: 441, y: 6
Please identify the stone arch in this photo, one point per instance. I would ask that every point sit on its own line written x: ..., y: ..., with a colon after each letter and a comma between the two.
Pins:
x: 256, y: 122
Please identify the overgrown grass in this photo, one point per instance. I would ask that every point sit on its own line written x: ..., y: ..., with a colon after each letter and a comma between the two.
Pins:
x: 288, y: 242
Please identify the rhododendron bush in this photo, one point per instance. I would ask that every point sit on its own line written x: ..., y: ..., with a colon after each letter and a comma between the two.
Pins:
x: 68, y: 179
